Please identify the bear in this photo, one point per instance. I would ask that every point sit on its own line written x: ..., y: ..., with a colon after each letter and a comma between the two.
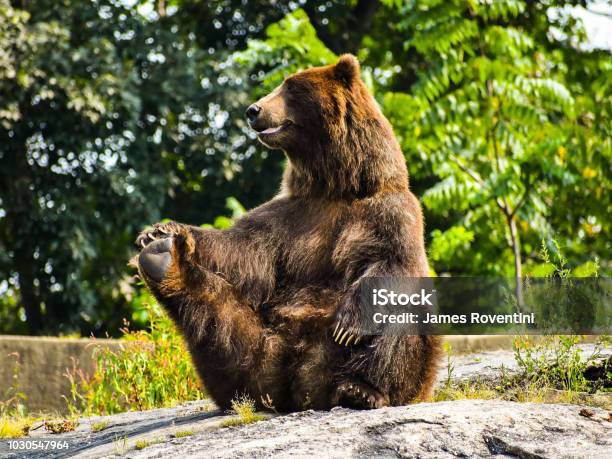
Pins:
x: 270, y: 308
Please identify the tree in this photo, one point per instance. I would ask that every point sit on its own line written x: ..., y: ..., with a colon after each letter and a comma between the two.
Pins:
x: 70, y: 194
x: 494, y: 115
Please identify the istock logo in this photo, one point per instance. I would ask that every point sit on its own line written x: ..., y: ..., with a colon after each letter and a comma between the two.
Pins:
x: 384, y: 297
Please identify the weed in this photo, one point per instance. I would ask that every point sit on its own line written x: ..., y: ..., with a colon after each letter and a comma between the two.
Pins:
x: 152, y: 370
x: 14, y: 422
x: 11, y: 403
x: 450, y: 366
x: 142, y: 444
x: 145, y: 443
x: 244, y: 407
x: 556, y: 361
x: 120, y: 445
x: 57, y: 426
x: 99, y: 426
x: 552, y: 369
x: 183, y: 434
x: 15, y: 427
x: 465, y: 390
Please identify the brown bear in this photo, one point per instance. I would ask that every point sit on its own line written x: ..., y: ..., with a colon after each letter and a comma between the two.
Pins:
x: 270, y: 307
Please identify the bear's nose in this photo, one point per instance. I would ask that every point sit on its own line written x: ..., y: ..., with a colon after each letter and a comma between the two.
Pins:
x: 252, y: 112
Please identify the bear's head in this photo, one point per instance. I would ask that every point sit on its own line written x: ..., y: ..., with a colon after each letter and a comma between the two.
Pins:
x: 338, y: 142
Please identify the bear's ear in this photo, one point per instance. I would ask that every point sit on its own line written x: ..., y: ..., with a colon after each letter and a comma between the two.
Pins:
x: 347, y: 69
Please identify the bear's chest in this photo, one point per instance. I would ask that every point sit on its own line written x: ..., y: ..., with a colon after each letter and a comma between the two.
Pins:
x: 327, y: 251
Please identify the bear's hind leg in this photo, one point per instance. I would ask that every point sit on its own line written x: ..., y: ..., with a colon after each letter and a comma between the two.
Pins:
x: 358, y: 395
x: 234, y: 353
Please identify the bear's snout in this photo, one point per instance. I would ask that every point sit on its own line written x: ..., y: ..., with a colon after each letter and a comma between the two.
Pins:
x: 155, y: 259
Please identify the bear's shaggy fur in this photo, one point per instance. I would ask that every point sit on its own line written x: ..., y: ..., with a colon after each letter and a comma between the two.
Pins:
x: 269, y: 308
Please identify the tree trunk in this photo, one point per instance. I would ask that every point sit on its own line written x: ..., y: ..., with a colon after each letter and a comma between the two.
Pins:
x: 27, y: 289
x: 516, y: 247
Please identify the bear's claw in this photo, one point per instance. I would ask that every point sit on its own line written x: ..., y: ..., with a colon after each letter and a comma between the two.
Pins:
x: 340, y: 334
x: 159, y: 231
x: 359, y: 395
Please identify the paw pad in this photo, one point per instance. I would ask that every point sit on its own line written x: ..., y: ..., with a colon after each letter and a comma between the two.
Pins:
x: 155, y: 258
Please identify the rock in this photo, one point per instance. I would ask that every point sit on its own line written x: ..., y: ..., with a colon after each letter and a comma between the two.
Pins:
x: 468, y: 428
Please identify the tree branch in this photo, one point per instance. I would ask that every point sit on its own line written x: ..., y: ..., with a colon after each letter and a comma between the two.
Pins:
x: 522, y: 200
x: 501, y: 204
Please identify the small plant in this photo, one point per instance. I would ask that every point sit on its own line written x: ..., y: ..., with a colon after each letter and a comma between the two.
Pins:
x: 450, y: 366
x: 145, y: 443
x: 244, y: 407
x: 151, y: 370
x: 465, y: 390
x: 142, y: 444
x: 15, y: 427
x: 100, y: 426
x: 555, y: 361
x: 183, y: 434
x: 120, y: 445
x: 14, y: 422
x: 58, y: 426
x: 11, y: 403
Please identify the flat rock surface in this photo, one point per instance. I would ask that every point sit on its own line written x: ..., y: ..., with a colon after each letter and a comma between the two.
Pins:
x: 467, y: 428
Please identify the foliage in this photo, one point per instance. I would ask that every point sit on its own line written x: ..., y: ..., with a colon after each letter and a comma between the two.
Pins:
x: 109, y: 118
x: 15, y: 427
x: 551, y: 369
x: 142, y: 444
x: 100, y: 426
x: 73, y: 188
x: 152, y: 369
x: 557, y: 361
x: 290, y: 45
x: 492, y: 117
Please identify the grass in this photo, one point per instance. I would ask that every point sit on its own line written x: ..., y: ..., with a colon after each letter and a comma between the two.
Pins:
x: 100, y: 426
x: 145, y: 443
x: 183, y: 434
x: 152, y: 367
x: 244, y: 407
x: 14, y: 421
x: 551, y: 370
x: 120, y: 444
x: 15, y: 427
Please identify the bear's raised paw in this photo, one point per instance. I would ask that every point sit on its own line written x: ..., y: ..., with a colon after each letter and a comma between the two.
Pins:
x: 155, y: 258
x: 158, y: 231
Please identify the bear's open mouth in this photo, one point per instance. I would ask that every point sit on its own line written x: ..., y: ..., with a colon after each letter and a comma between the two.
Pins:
x: 275, y: 129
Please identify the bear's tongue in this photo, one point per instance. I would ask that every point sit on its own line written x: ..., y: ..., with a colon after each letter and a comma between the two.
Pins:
x: 272, y: 130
